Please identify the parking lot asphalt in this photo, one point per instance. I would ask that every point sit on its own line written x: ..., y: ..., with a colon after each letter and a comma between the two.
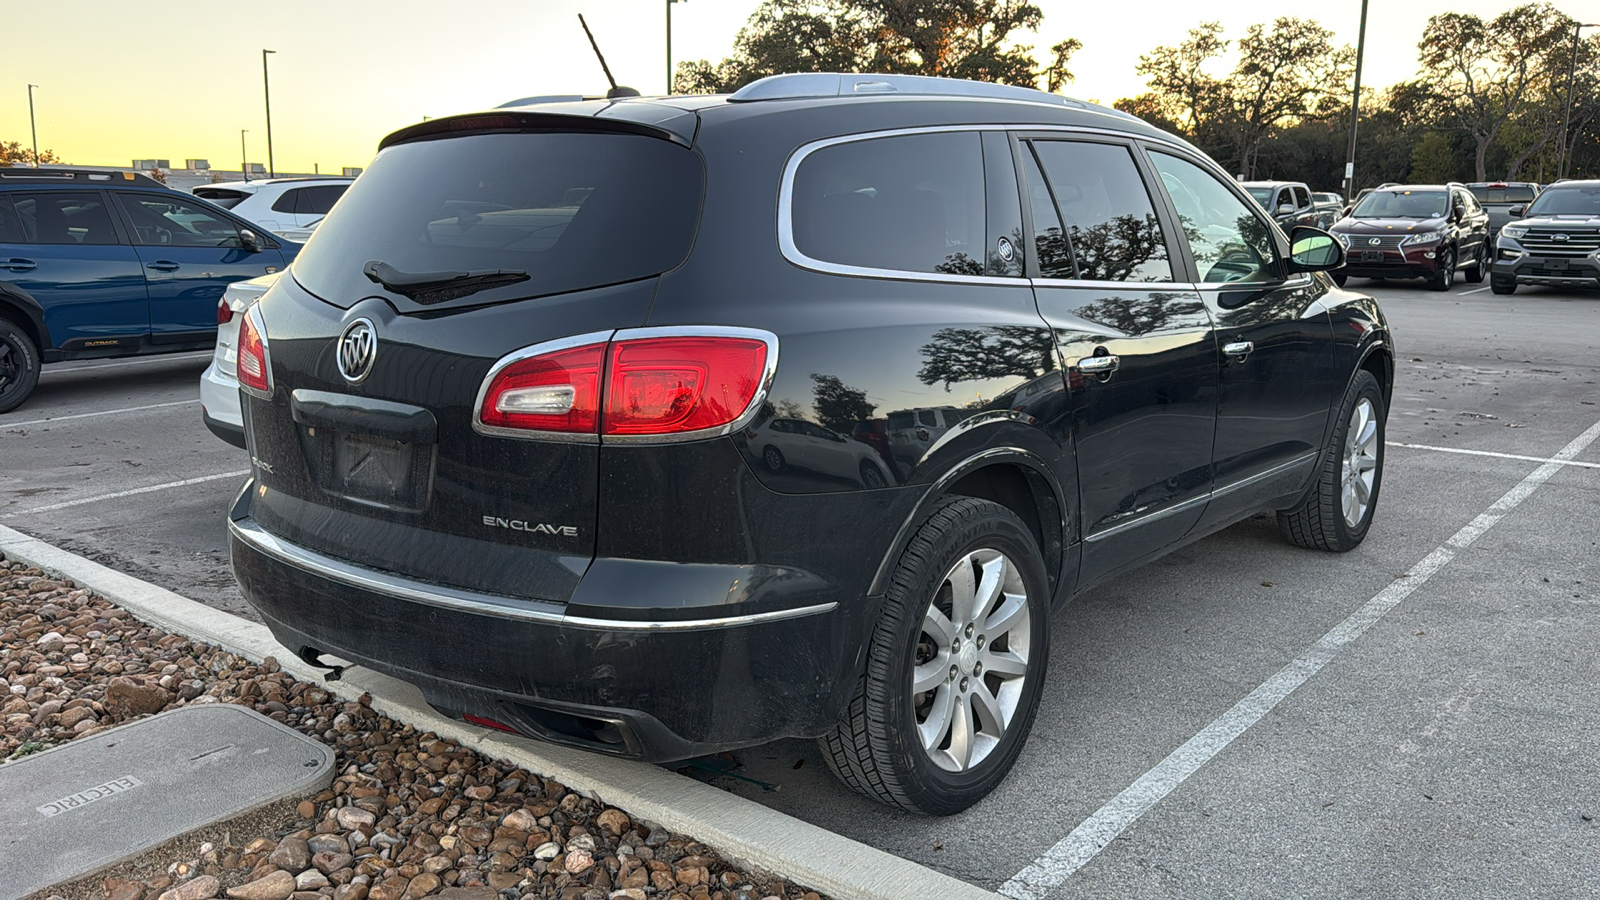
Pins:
x: 1447, y: 749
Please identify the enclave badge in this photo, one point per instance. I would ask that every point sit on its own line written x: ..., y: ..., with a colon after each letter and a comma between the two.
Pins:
x: 358, y: 347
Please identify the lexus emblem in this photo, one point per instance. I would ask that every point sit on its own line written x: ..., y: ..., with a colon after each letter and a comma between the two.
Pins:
x: 358, y: 347
x: 1375, y: 241
x: 1560, y: 237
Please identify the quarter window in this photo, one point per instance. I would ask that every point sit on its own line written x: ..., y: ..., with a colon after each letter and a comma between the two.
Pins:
x: 78, y: 217
x: 1302, y: 199
x: 913, y: 203
x: 289, y: 201
x: 1105, y: 211
x: 1229, y: 241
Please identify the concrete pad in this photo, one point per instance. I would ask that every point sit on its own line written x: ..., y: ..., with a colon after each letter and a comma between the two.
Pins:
x: 80, y: 807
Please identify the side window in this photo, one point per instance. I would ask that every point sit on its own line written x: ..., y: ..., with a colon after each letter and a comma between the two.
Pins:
x: 320, y: 199
x: 1049, y: 240
x: 10, y: 225
x: 169, y: 221
x: 78, y: 217
x: 911, y: 204
x: 1302, y: 198
x: 1106, y: 211
x: 1229, y: 242
x: 928, y: 417
x: 289, y: 201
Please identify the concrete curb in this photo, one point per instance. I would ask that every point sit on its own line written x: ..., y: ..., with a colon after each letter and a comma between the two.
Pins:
x: 746, y: 832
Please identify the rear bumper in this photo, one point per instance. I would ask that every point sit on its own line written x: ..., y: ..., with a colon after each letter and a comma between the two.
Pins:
x: 219, y: 404
x: 656, y: 689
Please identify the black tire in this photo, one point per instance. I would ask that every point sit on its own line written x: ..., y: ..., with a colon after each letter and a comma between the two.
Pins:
x: 1480, y: 266
x: 1340, y: 278
x: 1445, y: 278
x: 773, y: 457
x: 872, y: 476
x: 1318, y: 521
x: 19, y: 365
x: 1502, y: 287
x: 875, y: 748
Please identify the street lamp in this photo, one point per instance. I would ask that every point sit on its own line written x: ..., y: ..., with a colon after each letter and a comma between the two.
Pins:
x: 33, y: 126
x: 669, y: 42
x: 266, y: 93
x: 1355, y: 110
x: 244, y: 158
x: 1572, y: 75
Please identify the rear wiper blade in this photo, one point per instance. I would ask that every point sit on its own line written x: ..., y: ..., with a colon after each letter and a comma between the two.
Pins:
x: 437, y: 287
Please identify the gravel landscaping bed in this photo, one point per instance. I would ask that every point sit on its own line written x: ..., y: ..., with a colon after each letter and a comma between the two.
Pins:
x: 408, y: 815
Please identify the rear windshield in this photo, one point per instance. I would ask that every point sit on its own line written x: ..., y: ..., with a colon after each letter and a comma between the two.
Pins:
x: 1402, y: 204
x: 1511, y: 193
x: 1263, y: 195
x: 571, y: 210
x: 1567, y: 201
x: 222, y: 197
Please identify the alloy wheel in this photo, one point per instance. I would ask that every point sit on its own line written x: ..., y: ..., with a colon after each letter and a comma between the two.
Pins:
x: 10, y: 365
x: 971, y: 660
x: 1360, y: 468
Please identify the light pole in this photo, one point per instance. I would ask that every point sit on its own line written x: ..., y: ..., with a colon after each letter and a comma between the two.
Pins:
x: 244, y: 158
x: 1572, y: 75
x: 266, y: 93
x: 1355, y: 110
x: 669, y: 42
x: 33, y: 126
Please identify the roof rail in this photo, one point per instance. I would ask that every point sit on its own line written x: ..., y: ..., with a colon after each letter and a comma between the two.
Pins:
x: 546, y: 98
x: 75, y: 176
x: 800, y: 85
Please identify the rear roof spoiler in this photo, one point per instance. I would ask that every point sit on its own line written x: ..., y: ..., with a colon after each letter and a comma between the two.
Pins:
x: 605, y: 116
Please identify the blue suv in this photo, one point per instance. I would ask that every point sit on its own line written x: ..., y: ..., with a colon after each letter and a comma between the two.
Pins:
x: 99, y: 264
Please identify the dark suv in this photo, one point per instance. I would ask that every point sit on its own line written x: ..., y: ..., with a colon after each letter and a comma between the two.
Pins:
x: 500, y: 412
x: 96, y: 264
x: 1553, y: 241
x: 1426, y: 231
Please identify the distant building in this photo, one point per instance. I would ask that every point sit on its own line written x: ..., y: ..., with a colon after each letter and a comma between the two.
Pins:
x: 351, y: 171
x: 145, y: 165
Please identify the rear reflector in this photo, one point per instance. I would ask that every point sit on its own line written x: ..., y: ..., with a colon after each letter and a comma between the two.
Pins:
x: 665, y: 384
x: 489, y: 723
x: 254, y: 372
x: 224, y: 312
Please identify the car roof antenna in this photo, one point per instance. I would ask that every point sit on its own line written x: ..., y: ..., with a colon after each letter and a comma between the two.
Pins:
x: 616, y: 91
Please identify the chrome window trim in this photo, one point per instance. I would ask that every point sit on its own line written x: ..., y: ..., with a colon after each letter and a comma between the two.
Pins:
x: 515, y: 356
x: 769, y: 371
x: 1300, y: 279
x: 793, y: 254
x: 496, y: 605
x: 1229, y: 488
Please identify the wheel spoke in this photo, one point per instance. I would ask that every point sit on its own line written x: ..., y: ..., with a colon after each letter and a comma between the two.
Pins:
x: 1005, y: 663
x: 1362, y: 493
x: 963, y: 591
x: 990, y: 717
x: 994, y: 576
x: 1350, y: 508
x: 963, y: 731
x: 933, y: 729
x: 1368, y: 435
x: 931, y: 674
x: 1012, y: 610
x: 939, y: 627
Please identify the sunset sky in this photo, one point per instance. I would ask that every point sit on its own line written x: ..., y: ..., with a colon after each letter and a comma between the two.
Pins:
x: 119, y: 81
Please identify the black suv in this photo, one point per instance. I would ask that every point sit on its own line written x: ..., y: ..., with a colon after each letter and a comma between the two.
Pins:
x: 1426, y: 231
x: 500, y: 415
x: 1554, y: 241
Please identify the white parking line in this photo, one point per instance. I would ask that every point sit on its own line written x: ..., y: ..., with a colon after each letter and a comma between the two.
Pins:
x: 1473, y: 291
x: 129, y: 493
x: 7, y: 426
x: 1537, y: 459
x: 1072, y: 852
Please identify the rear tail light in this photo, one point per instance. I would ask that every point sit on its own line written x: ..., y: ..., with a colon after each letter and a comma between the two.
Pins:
x: 641, y: 385
x: 224, y: 312
x: 254, y: 371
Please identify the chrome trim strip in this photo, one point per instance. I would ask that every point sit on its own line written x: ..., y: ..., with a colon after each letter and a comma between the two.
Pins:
x: 786, y: 200
x: 978, y: 420
x: 566, y: 343
x: 495, y: 605
x: 1302, y: 280
x: 752, y: 410
x: 1196, y: 501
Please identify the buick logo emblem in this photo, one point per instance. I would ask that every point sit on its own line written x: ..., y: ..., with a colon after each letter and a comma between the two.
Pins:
x: 1560, y: 237
x: 1375, y: 241
x: 358, y: 347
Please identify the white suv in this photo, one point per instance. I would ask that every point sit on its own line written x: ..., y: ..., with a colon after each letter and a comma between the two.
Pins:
x: 219, y: 383
x: 283, y: 206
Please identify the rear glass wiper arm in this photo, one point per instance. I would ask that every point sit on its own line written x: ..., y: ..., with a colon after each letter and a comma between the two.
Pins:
x: 437, y: 287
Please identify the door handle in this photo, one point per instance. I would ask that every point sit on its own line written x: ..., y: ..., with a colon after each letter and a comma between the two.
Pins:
x: 162, y: 265
x: 1238, y: 349
x: 1098, y: 365
x: 18, y: 265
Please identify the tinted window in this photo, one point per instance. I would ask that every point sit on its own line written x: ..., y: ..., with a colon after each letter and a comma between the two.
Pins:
x: 79, y: 217
x: 1049, y: 241
x: 223, y: 197
x: 10, y: 226
x: 319, y: 200
x: 1566, y: 201
x: 1301, y: 198
x: 1511, y: 193
x: 1106, y: 211
x: 901, y: 419
x: 1401, y: 204
x: 928, y: 417
x: 162, y: 220
x: 1229, y: 241
x: 1263, y: 195
x: 573, y: 211
x: 289, y: 201
x: 911, y: 204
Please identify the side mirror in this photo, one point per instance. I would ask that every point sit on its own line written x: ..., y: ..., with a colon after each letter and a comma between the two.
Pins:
x: 1314, y: 250
x: 1517, y: 211
x: 1345, y: 213
x: 250, y: 240
x: 1285, y: 209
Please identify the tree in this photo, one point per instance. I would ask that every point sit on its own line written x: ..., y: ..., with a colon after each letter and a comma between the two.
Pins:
x: 12, y: 153
x: 976, y: 354
x: 839, y: 406
x: 1489, y: 73
x: 158, y: 175
x: 1180, y: 89
x: 969, y: 39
